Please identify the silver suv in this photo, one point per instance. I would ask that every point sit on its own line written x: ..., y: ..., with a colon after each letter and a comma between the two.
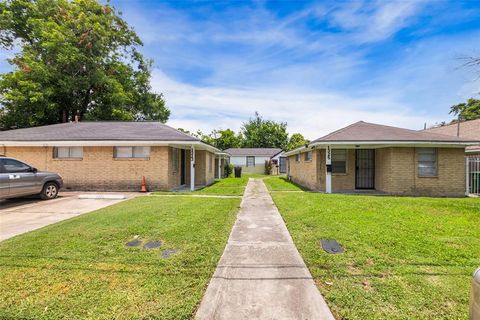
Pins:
x: 18, y: 179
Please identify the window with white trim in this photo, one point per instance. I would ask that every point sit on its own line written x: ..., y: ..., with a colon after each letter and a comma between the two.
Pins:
x: 250, y: 161
x: 131, y: 152
x: 427, y: 162
x: 297, y: 157
x: 308, y: 155
x: 210, y: 164
x: 68, y: 152
x: 339, y: 161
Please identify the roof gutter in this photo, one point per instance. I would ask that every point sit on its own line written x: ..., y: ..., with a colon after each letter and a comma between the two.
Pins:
x: 446, y: 144
x: 108, y: 143
x: 298, y: 150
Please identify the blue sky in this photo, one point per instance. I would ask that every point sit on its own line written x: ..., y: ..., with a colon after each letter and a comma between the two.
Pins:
x: 316, y: 65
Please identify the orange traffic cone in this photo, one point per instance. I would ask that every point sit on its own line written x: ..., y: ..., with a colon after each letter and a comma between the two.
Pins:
x: 144, y: 185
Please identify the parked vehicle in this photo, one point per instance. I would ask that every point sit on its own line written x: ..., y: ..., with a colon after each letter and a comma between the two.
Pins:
x: 18, y: 179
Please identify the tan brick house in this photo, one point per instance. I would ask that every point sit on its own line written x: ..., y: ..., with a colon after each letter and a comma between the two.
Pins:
x: 382, y: 159
x: 114, y: 155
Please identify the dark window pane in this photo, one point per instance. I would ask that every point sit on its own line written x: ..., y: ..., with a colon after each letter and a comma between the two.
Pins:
x: 14, y: 166
x: 339, y: 167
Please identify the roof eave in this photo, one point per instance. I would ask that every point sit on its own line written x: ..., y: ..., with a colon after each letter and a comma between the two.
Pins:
x: 297, y: 150
x: 382, y: 143
x: 390, y: 142
x: 109, y: 143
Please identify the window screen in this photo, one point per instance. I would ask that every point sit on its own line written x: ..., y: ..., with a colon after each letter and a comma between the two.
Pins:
x: 308, y: 156
x: 427, y: 162
x: 339, y: 161
x: 131, y: 152
x: 297, y: 157
x: 141, y: 152
x: 68, y: 152
x: 250, y: 161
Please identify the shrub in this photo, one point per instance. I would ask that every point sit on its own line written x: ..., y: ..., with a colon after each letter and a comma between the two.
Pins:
x: 268, y: 166
x: 228, y: 169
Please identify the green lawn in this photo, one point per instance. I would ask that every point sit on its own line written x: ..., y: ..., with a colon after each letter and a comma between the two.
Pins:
x: 227, y: 186
x: 280, y: 183
x: 81, y: 268
x: 406, y: 258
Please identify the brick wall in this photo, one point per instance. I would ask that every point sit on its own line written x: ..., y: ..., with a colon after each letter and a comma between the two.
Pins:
x: 403, y: 178
x: 345, y: 182
x: 204, y: 167
x: 383, y: 169
x: 305, y: 172
x: 99, y: 171
x: 396, y: 172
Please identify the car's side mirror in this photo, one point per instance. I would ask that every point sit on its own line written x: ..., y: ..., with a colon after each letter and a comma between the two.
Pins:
x: 34, y: 170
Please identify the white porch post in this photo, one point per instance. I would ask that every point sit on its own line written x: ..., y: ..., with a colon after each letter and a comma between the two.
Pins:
x: 220, y: 167
x: 192, y: 168
x: 467, y: 177
x: 328, y: 162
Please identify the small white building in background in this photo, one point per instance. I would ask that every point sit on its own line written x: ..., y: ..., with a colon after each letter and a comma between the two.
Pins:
x: 280, y: 164
x: 252, y: 160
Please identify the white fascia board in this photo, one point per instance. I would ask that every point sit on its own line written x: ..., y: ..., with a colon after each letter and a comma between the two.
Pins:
x: 375, y: 145
x: 297, y: 150
x: 384, y: 144
x: 109, y: 143
x: 222, y: 154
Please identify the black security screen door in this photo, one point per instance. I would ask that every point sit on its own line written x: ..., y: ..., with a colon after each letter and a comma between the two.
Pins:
x: 183, y: 162
x: 365, y: 169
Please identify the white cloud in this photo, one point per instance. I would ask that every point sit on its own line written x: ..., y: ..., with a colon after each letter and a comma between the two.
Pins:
x: 216, y: 68
x: 310, y: 113
x: 374, y: 21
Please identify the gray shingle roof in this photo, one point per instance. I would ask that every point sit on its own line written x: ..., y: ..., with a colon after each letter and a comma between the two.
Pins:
x: 260, y: 152
x: 98, y: 131
x: 364, y: 131
x: 468, y: 129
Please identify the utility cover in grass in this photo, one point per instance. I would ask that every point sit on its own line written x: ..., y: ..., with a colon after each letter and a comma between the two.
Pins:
x: 134, y: 243
x: 152, y: 245
x: 167, y: 253
x: 331, y: 246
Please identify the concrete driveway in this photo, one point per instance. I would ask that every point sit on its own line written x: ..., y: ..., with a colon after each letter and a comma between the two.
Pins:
x: 18, y: 216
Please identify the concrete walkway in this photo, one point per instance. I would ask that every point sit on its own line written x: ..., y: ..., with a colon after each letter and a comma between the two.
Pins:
x: 261, y: 275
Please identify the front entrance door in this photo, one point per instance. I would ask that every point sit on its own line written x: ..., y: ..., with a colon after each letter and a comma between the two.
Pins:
x: 183, y: 163
x: 365, y: 169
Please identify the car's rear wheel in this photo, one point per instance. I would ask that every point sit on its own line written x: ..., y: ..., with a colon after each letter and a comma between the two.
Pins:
x: 49, y: 191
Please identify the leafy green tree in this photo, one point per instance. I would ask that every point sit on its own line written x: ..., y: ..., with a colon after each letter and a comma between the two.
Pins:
x: 228, y: 139
x: 467, y: 111
x: 260, y: 133
x: 207, y: 138
x: 76, y: 57
x: 295, y: 141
